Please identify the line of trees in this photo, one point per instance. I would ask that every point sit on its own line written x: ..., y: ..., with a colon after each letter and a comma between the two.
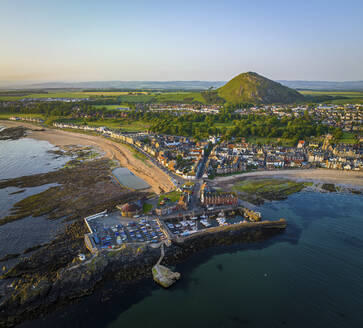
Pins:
x: 225, y: 124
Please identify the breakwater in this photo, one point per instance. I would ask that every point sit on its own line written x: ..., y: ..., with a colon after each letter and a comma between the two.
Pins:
x: 38, y: 291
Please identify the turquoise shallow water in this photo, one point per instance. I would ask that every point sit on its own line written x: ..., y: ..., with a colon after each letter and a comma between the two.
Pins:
x: 309, y: 276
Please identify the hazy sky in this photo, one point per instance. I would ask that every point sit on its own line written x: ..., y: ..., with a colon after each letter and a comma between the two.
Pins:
x: 48, y: 40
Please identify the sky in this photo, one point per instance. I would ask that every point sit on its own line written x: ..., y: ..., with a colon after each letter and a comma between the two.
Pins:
x: 61, y: 40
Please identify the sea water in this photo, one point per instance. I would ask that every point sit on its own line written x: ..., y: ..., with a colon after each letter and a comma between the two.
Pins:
x: 20, y: 158
x: 311, y: 275
x: 126, y: 178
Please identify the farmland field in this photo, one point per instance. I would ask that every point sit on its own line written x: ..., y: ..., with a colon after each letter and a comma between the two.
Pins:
x: 121, y: 96
x: 110, y: 107
x: 4, y: 116
x: 355, y: 97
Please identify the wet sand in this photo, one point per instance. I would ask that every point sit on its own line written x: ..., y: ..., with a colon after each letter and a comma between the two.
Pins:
x: 157, y: 179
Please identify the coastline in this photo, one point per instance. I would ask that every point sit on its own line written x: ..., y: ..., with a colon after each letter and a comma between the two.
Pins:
x: 353, y: 178
x: 55, y: 286
x: 157, y: 179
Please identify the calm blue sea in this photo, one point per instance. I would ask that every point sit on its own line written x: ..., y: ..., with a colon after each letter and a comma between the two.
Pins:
x: 309, y: 276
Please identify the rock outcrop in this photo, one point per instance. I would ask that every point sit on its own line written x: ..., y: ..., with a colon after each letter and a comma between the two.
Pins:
x: 164, y: 276
x: 50, y: 279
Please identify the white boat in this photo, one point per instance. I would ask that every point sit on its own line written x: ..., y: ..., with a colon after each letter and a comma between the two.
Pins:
x: 81, y: 257
x: 221, y: 221
x: 205, y: 223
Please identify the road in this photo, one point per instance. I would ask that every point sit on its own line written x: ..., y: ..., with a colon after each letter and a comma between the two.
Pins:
x: 179, y: 180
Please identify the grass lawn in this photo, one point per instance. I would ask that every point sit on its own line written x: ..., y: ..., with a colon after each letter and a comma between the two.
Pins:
x: 173, y: 196
x: 7, y: 116
x: 263, y: 186
x: 134, y: 126
x: 137, y: 154
x: 110, y: 107
x: 146, y: 207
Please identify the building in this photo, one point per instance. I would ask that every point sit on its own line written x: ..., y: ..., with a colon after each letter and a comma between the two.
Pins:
x: 210, y: 196
x: 129, y: 209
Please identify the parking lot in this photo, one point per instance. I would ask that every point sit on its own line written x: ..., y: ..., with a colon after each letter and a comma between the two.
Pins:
x: 113, y: 230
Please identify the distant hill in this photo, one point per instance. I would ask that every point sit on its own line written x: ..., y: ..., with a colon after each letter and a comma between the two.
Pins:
x: 324, y: 85
x: 175, y: 85
x: 253, y: 88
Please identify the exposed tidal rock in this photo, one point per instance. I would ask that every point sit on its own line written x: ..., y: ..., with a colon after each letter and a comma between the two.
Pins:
x: 13, y: 133
x: 164, y: 276
x: 51, y: 277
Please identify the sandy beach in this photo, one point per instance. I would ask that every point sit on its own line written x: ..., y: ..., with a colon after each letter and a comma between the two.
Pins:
x: 157, y: 179
x: 353, y: 178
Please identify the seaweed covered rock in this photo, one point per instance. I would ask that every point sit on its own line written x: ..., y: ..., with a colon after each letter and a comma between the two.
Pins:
x: 13, y: 133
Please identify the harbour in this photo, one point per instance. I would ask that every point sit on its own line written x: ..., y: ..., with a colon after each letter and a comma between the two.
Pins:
x: 314, y: 260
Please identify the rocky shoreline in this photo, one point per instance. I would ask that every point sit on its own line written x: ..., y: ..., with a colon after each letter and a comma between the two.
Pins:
x: 82, y: 187
x: 13, y: 133
x: 53, y: 276
x: 258, y: 190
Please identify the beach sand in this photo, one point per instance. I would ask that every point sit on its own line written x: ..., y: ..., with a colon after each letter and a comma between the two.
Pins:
x: 157, y: 179
x: 354, y: 178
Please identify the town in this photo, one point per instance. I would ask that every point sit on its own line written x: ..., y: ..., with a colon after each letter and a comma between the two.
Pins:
x: 184, y: 157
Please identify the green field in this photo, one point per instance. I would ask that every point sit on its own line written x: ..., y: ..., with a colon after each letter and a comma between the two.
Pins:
x: 73, y: 94
x: 109, y: 107
x: 355, y: 97
x: 146, y: 207
x: 350, y: 94
x: 7, y: 116
x: 265, y: 186
x: 46, y: 95
x: 180, y: 97
x: 163, y: 97
x: 173, y: 196
x: 121, y: 96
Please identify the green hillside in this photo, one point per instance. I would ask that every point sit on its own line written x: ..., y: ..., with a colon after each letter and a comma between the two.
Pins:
x: 253, y: 88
